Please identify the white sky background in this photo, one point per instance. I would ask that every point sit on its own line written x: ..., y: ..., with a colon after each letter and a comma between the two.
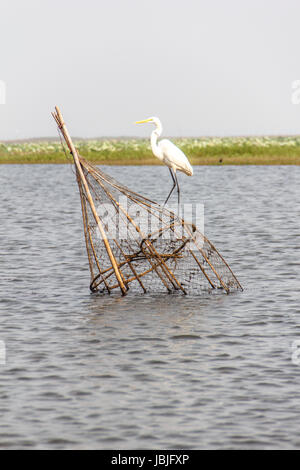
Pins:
x: 205, y: 67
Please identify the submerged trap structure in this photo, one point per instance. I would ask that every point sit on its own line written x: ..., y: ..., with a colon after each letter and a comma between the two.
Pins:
x: 135, y: 244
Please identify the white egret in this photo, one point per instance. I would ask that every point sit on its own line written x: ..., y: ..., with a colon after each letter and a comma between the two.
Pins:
x: 169, y: 154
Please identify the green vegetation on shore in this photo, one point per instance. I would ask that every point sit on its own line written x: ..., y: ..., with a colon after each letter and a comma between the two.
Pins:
x: 200, y: 151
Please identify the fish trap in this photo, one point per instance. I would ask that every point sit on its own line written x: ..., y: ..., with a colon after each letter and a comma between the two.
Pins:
x: 135, y: 244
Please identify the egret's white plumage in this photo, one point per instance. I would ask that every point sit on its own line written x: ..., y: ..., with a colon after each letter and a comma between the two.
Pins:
x: 174, y: 158
x: 169, y: 154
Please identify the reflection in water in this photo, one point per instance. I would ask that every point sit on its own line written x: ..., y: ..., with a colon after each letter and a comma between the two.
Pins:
x: 149, y: 371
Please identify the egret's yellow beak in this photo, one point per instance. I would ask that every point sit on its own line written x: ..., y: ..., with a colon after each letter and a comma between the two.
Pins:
x: 144, y: 120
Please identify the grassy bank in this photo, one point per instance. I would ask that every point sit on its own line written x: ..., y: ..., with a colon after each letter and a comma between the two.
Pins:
x: 200, y: 151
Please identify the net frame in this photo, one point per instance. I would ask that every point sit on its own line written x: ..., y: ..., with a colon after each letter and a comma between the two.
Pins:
x: 175, y: 257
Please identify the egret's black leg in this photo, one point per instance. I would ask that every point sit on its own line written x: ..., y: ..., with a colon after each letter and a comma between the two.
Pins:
x: 173, y: 187
x: 178, y: 190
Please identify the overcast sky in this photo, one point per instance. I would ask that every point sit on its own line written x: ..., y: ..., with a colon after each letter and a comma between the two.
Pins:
x: 214, y: 67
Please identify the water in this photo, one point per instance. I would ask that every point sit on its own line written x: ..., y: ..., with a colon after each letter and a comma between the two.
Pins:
x: 164, y: 372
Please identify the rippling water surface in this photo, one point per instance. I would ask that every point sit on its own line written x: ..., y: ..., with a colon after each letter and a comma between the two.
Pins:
x: 88, y: 371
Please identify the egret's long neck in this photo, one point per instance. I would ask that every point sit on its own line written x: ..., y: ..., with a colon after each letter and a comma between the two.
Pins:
x: 154, y: 136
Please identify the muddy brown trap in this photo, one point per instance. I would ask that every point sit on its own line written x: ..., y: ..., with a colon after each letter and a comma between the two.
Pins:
x: 172, y: 255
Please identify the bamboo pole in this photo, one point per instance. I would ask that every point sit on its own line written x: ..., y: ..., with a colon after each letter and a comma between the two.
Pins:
x: 97, y: 261
x: 202, y: 269
x: 60, y: 121
x: 85, y: 222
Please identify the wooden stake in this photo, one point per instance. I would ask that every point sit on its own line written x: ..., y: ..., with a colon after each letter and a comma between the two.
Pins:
x: 62, y: 126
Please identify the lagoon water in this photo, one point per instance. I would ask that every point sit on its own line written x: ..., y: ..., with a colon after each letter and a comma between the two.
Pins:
x: 87, y: 371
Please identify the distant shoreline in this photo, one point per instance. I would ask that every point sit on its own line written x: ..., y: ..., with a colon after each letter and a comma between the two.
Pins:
x: 262, y: 150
